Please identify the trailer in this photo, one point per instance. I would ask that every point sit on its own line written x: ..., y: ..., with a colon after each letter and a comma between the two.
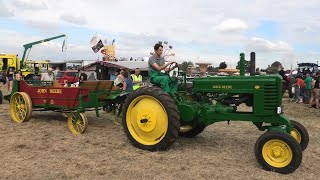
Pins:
x: 28, y: 96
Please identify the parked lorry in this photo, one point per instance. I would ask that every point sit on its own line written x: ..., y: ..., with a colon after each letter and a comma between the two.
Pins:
x: 28, y: 68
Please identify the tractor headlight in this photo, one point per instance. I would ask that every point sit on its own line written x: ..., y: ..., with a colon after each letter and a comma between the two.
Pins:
x: 280, y: 110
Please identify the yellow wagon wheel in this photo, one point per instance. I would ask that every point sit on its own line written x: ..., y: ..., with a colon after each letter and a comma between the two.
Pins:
x: 77, y: 123
x: 20, y: 107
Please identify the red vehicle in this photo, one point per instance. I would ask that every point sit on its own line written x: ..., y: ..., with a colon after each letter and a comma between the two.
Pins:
x: 70, y: 75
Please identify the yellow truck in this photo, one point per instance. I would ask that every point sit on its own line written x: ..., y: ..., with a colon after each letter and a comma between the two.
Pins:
x: 28, y: 68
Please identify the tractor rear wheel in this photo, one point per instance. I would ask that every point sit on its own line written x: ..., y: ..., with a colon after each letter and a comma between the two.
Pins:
x: 191, y: 131
x: 278, y: 151
x: 151, y: 120
x: 300, y: 133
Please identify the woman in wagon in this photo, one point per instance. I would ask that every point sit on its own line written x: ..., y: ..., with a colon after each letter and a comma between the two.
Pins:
x: 127, y: 84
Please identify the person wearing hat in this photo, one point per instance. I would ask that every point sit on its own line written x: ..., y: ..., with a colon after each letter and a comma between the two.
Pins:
x: 49, y: 76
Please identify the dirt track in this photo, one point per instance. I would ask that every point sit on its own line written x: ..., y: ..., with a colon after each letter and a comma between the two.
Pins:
x: 44, y: 148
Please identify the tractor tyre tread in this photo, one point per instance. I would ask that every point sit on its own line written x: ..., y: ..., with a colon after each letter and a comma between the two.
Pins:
x: 172, y: 113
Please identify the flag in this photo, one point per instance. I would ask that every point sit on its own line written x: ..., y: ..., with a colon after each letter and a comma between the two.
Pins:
x: 96, y: 48
x: 63, y: 44
x: 96, y: 43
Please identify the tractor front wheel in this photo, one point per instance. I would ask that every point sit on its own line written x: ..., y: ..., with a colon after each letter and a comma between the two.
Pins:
x: 278, y: 151
x: 151, y: 120
x: 300, y: 133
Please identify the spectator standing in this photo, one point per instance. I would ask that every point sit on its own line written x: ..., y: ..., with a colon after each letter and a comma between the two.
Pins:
x: 315, y: 91
x: 137, y: 79
x: 299, y: 89
x: 308, y: 82
x: 10, y: 76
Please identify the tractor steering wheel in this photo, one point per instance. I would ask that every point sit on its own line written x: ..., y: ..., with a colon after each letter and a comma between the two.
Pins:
x: 168, y: 73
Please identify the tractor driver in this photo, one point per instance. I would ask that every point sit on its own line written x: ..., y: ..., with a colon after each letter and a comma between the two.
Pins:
x: 156, y: 64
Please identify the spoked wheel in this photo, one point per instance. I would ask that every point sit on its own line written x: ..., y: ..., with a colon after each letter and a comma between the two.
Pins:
x: 191, y: 131
x: 278, y: 151
x: 77, y: 123
x: 116, y: 114
x: 20, y: 107
x: 151, y: 121
x: 300, y: 133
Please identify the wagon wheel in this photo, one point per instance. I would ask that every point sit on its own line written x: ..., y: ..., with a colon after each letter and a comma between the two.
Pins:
x: 300, y: 133
x: 116, y: 114
x: 278, y: 151
x: 191, y: 131
x: 20, y: 107
x: 77, y: 123
x: 151, y: 121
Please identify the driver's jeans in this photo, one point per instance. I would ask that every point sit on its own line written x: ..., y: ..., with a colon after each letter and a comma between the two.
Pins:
x: 167, y: 85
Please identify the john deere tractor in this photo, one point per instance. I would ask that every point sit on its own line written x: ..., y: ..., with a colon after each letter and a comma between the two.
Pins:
x: 153, y: 119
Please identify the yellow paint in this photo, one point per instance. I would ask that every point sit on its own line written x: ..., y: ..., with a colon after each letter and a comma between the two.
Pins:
x: 20, y: 107
x: 277, y: 153
x: 147, y: 120
x: 77, y: 126
x: 296, y: 135
x: 41, y: 91
x: 55, y: 91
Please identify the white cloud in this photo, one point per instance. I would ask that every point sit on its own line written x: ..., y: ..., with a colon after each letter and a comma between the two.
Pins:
x: 5, y: 11
x: 231, y: 25
x: 77, y: 20
x: 29, y: 5
x: 265, y: 46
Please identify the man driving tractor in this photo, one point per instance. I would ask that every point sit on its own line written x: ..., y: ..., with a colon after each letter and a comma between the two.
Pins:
x: 156, y: 65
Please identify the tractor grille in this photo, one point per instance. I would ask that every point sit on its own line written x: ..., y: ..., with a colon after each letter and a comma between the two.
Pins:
x: 270, y: 97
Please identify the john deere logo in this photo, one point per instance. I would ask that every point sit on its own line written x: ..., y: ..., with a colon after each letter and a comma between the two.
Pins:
x: 222, y: 86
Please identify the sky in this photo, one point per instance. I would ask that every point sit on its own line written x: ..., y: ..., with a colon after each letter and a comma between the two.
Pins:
x: 209, y: 31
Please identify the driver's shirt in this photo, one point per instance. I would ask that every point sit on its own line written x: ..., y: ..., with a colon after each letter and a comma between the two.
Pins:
x: 154, y: 59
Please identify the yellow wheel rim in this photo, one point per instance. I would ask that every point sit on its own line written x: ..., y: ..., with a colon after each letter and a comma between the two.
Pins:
x: 20, y: 107
x: 147, y: 120
x: 296, y: 135
x: 29, y: 103
x: 77, y: 125
x: 277, y: 153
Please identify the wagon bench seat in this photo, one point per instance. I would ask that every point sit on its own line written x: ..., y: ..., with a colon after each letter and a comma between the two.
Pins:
x: 100, y: 85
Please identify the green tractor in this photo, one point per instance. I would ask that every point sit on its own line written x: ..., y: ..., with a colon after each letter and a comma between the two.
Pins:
x: 153, y: 119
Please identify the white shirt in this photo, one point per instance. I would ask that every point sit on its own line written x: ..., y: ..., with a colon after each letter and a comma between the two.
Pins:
x: 47, y: 77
